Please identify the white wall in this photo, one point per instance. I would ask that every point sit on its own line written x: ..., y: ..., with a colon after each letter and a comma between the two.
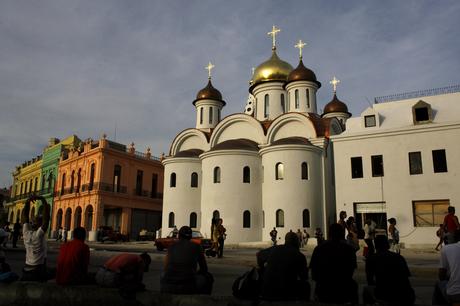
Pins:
x: 398, y: 188
x: 182, y: 199
x: 231, y: 197
x: 274, y: 91
x: 292, y: 194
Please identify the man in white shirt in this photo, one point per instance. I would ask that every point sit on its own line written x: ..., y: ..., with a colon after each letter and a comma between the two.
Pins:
x: 34, y: 236
x: 447, y: 290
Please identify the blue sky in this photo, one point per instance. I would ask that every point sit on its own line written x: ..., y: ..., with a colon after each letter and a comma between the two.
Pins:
x: 84, y: 67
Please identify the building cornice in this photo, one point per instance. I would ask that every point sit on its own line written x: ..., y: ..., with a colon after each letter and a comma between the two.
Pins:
x: 228, y: 152
x: 290, y: 147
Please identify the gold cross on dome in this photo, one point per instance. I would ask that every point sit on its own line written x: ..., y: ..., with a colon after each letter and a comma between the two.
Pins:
x: 209, y: 68
x: 273, y: 35
x: 334, y: 83
x: 300, y: 46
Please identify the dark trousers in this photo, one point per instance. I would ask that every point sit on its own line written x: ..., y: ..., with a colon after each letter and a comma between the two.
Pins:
x: 220, y: 249
x: 39, y: 273
x: 370, y: 247
x: 15, y: 239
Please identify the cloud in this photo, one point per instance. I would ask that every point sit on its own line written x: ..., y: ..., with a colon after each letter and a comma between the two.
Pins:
x: 84, y: 67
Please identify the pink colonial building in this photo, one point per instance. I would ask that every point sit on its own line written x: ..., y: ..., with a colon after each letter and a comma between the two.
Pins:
x: 104, y: 183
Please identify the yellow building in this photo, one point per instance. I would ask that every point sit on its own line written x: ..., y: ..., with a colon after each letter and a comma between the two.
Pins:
x: 26, y: 181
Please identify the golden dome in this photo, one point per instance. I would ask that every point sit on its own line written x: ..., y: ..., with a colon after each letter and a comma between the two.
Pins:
x: 274, y: 69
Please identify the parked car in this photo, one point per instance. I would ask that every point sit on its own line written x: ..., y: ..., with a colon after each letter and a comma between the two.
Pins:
x: 197, y: 237
x: 106, y: 233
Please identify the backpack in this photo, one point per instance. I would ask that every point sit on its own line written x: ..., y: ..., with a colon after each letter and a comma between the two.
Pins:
x: 247, y: 286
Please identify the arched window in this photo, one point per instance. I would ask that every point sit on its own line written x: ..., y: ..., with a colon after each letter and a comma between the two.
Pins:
x: 63, y: 184
x: 210, y: 115
x: 216, y: 214
x: 27, y: 185
x: 266, y: 105
x: 116, y: 178
x: 279, y: 218
x: 172, y: 180
x: 296, y: 98
x: 30, y: 185
x: 72, y: 181
x: 68, y: 219
x: 36, y: 184
x: 50, y: 182
x: 304, y: 171
x: 218, y: 114
x: 193, y: 219
x: 308, y: 97
x: 91, y: 176
x: 306, y: 218
x: 246, y: 219
x: 59, y: 219
x: 279, y: 171
x: 77, y: 217
x: 263, y: 218
x: 194, y: 180
x: 89, y: 218
x: 171, y: 220
x: 78, y: 181
x: 283, y: 105
x: 22, y: 187
x: 216, y: 175
x: 201, y: 115
x: 43, y: 181
x: 246, y: 174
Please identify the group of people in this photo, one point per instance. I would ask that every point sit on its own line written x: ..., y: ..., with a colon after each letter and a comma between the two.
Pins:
x: 6, y: 234
x: 301, y: 236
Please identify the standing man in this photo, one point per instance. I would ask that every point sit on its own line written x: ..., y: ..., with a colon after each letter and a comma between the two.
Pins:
x: 451, y: 225
x: 342, y: 217
x: 447, y: 290
x: 73, y: 260
x: 221, y: 238
x: 273, y: 235
x: 16, y: 232
x: 35, y: 242
x: 369, y: 235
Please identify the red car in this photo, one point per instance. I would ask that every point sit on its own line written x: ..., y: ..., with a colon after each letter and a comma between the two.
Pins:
x: 164, y: 243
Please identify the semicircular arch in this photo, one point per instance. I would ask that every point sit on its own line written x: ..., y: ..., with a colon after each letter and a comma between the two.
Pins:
x: 189, y: 139
x: 238, y: 126
x: 291, y: 125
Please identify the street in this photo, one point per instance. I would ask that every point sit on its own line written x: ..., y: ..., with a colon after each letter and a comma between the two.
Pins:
x: 422, y: 263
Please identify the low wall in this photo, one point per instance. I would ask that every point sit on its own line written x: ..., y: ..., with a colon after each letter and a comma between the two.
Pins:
x: 49, y: 294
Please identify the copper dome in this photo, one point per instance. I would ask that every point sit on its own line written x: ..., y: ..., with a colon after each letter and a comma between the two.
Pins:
x: 302, y: 73
x: 209, y: 92
x: 335, y: 106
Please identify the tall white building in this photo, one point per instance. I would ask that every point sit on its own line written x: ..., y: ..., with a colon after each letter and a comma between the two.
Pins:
x: 401, y: 159
x: 268, y: 167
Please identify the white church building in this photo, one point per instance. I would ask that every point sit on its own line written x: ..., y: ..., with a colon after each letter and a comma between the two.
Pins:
x: 282, y: 164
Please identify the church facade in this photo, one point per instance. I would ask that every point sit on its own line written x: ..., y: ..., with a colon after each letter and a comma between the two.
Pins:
x: 270, y: 166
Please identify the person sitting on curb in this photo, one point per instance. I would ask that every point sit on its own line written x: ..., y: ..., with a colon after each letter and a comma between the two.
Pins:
x: 73, y: 261
x: 35, y: 243
x: 285, y: 271
x: 332, y: 265
x: 387, y: 276
x: 124, y: 271
x: 180, y: 269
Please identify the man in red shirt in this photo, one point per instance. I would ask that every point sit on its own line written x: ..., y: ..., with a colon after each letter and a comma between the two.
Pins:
x: 124, y: 271
x: 73, y: 260
x: 451, y: 225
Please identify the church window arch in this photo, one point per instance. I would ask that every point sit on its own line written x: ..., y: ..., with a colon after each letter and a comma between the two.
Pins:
x: 283, y: 105
x: 171, y: 220
x: 216, y: 178
x: 246, y: 174
x: 193, y: 219
x: 201, y: 115
x: 306, y: 218
x: 246, y: 219
x: 210, y: 115
x: 296, y: 98
x: 266, y: 105
x: 91, y: 176
x: 279, y: 218
x: 279, y: 171
x: 194, y: 180
x: 72, y: 178
x: 172, y: 180
x: 308, y: 97
x: 63, y: 183
x: 304, y: 171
